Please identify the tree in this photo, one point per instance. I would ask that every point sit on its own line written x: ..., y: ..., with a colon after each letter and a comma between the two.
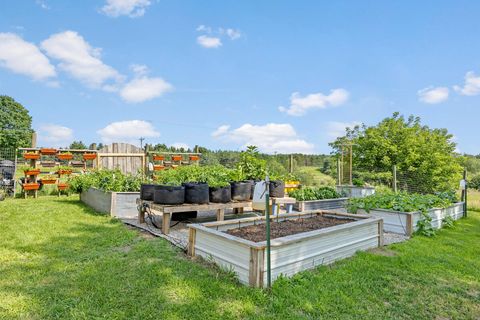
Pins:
x: 77, y: 145
x: 425, y: 156
x: 15, y: 124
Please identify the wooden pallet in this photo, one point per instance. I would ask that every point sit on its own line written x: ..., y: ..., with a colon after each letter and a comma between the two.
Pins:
x: 167, y: 210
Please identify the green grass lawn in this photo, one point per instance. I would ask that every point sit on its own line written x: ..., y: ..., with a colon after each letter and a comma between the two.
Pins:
x: 60, y: 260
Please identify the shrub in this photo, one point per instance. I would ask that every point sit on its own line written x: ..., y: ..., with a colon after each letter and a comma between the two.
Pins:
x: 309, y: 193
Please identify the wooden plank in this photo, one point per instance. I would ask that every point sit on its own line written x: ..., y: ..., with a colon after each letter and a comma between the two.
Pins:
x: 166, y: 222
x: 409, y: 226
x: 141, y: 215
x: 198, y: 207
x: 253, y: 268
x: 220, y: 214
x: 191, y: 242
x: 380, y: 233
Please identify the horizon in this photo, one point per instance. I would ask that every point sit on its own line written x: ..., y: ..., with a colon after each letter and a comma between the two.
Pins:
x: 287, y: 77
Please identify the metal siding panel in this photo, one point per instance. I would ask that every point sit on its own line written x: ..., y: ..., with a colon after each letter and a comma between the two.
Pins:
x: 395, y: 222
x: 126, y: 206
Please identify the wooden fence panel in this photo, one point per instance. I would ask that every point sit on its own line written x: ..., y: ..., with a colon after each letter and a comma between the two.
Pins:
x: 124, y: 156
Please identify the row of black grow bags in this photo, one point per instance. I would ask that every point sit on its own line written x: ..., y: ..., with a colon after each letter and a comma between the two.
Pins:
x: 201, y: 193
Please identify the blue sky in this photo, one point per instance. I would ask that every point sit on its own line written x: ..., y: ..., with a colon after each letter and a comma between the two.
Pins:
x: 285, y: 75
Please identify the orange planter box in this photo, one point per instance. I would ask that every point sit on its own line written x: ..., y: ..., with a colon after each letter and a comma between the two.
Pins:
x: 158, y: 167
x: 62, y: 186
x: 158, y: 158
x: 64, y: 172
x: 89, y: 156
x: 31, y: 156
x: 30, y: 186
x: 48, y: 151
x: 176, y: 158
x: 32, y: 172
x: 63, y: 156
x: 194, y: 158
x: 49, y: 181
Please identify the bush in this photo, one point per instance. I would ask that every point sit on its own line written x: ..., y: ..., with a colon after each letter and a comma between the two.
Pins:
x: 309, y: 193
x: 474, y: 183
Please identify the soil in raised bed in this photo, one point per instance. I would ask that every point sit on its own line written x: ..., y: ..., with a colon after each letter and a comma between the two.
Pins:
x: 257, y: 233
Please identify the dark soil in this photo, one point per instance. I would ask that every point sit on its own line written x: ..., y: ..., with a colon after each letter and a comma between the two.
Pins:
x: 256, y: 233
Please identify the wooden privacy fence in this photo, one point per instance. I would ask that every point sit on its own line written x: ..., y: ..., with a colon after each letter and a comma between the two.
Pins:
x: 123, y: 156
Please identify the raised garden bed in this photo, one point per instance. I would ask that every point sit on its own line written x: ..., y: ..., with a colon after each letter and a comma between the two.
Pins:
x: 355, y: 192
x: 325, y: 204
x: 406, y: 222
x: 117, y: 204
x: 327, y: 238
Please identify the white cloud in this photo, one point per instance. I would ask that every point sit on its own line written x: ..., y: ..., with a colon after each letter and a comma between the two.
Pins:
x: 42, y: 4
x: 53, y: 135
x: 81, y: 60
x: 144, y: 88
x: 471, y: 86
x: 129, y: 131
x: 433, y: 95
x: 272, y: 137
x: 231, y: 33
x: 209, y: 42
x: 180, y: 145
x: 131, y: 8
x: 23, y: 57
x: 337, y: 129
x: 139, y: 69
x: 204, y: 28
x: 300, y: 105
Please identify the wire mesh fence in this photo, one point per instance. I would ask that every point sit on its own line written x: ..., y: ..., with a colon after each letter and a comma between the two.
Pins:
x: 7, y: 171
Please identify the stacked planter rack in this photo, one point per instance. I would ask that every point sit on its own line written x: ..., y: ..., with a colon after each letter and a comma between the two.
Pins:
x: 34, y: 157
x: 164, y: 160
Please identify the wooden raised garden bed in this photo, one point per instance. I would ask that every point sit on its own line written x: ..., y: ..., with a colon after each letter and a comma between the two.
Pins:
x: 290, y: 254
x: 406, y: 222
x: 116, y: 204
x: 30, y: 186
x: 355, y: 192
x: 48, y: 151
x: 31, y: 156
x: 325, y: 204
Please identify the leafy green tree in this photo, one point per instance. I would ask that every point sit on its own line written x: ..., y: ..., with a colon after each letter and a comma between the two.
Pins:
x: 77, y: 145
x: 15, y: 124
x: 427, y: 156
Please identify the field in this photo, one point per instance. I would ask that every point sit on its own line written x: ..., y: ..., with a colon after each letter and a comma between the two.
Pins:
x: 60, y: 260
x: 473, y: 199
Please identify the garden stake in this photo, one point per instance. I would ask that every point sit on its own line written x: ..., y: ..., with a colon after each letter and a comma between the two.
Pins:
x: 267, y: 222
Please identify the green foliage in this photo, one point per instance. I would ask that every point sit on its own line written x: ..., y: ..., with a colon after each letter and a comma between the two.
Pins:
x: 15, y: 124
x: 309, y: 193
x: 79, y: 145
x: 312, y: 176
x: 418, y: 151
x: 358, y: 182
x: 215, y: 176
x: 474, y: 182
x: 250, y: 165
x: 448, y: 222
x: 106, y: 180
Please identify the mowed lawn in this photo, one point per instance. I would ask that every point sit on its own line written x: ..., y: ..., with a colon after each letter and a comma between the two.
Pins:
x: 60, y: 260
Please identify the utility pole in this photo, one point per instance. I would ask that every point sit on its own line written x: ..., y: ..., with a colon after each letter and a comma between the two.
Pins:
x: 141, y: 141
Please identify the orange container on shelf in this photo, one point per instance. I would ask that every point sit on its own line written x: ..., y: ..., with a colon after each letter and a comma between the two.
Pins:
x: 30, y: 186
x: 177, y: 158
x: 158, y: 167
x: 158, y: 157
x: 89, y: 156
x: 31, y: 156
x: 49, y: 181
x: 65, y: 156
x: 62, y: 186
x: 194, y: 158
x: 33, y: 172
x: 64, y: 171
x: 48, y: 151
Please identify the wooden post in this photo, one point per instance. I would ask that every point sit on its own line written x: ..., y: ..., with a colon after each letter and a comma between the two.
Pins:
x: 339, y: 174
x: 291, y: 163
x: 394, y: 187
x: 34, y: 139
x: 351, y: 164
x: 409, y: 224
x: 220, y: 214
x: 166, y: 222
x: 256, y: 268
x: 191, y: 242
x: 141, y: 215
x: 380, y: 233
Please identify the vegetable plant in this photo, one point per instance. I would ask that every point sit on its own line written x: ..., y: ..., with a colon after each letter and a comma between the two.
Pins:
x: 312, y: 193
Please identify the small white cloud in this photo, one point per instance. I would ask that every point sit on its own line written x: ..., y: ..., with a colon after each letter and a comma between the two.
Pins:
x: 129, y: 131
x: 270, y: 138
x: 144, y: 88
x: 131, y: 8
x: 433, y: 95
x: 209, y: 42
x: 53, y: 135
x: 300, y: 105
x: 81, y: 60
x: 204, y: 28
x: 233, y: 34
x: 139, y: 69
x: 43, y: 4
x: 180, y: 145
x: 337, y: 129
x: 22, y: 57
x: 471, y: 86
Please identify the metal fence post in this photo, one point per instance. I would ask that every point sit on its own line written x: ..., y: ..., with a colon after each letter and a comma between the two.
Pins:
x: 394, y: 179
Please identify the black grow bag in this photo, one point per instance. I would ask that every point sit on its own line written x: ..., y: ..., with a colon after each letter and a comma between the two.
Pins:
x: 147, y: 191
x: 220, y: 195
x: 169, y: 194
x: 196, y: 192
x: 241, y: 191
x: 277, y: 189
x: 252, y: 186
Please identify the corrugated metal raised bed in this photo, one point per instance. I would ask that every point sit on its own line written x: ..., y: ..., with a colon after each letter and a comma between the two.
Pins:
x: 355, y: 192
x: 290, y: 254
x: 406, y: 222
x: 117, y: 204
x: 325, y: 204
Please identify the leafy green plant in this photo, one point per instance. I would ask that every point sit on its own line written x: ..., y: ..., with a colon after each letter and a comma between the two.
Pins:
x: 106, y: 180
x: 310, y: 193
x: 448, y: 222
x: 358, y: 182
x: 250, y: 165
